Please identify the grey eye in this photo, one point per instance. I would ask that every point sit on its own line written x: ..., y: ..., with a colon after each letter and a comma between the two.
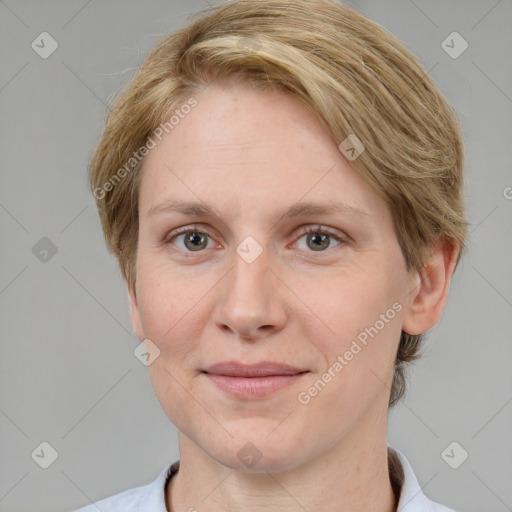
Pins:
x: 195, y: 241
x: 317, y: 241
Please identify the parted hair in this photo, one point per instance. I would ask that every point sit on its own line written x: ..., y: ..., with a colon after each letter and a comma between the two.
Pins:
x: 357, y: 77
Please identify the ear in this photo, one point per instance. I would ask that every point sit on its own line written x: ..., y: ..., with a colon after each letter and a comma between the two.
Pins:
x: 429, y: 288
x: 134, y: 313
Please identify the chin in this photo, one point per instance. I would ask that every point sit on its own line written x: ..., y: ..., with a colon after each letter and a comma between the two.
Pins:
x: 259, y: 450
x: 276, y: 463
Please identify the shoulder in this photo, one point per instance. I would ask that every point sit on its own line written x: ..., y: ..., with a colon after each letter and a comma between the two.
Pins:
x: 412, y: 498
x: 146, y: 497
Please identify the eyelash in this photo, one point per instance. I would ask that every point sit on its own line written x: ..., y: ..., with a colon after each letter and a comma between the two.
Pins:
x: 309, y: 229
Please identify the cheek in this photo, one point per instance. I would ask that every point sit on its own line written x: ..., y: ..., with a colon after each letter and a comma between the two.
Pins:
x: 362, y: 320
x: 170, y: 308
x: 351, y: 300
x: 171, y: 315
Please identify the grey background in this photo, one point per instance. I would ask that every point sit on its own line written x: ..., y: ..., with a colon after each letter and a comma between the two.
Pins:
x: 68, y: 375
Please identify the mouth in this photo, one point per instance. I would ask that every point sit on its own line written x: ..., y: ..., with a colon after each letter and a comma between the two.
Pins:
x: 262, y: 369
x: 254, y: 380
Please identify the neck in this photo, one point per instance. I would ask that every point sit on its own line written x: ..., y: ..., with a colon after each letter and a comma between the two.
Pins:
x: 354, y: 475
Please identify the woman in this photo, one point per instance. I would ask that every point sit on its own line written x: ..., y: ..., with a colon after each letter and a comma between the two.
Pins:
x: 281, y: 184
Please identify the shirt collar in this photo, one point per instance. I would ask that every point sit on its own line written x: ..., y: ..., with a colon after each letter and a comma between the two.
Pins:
x: 412, y: 498
x: 153, y: 497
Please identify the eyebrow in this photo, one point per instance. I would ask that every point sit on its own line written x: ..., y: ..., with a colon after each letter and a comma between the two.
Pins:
x: 201, y: 209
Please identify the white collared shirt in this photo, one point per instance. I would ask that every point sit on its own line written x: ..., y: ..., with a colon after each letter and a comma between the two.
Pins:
x: 151, y: 497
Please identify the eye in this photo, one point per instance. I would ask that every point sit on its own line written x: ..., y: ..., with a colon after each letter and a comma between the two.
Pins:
x: 319, y: 239
x: 193, y: 239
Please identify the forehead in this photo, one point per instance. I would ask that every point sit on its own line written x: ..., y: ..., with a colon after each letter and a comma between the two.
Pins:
x: 242, y: 145
x: 236, y: 122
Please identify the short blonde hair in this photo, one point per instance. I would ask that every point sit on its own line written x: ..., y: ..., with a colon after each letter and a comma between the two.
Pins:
x: 356, y: 76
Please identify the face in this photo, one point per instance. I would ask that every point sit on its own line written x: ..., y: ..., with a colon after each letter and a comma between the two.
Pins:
x: 248, y: 283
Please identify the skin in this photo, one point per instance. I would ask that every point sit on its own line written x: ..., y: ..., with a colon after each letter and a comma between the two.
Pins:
x: 249, y: 154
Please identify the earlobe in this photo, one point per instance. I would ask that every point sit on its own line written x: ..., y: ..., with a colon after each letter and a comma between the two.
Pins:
x: 135, y: 313
x: 430, y: 287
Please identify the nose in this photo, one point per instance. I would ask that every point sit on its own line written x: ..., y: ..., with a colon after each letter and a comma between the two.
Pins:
x: 250, y: 304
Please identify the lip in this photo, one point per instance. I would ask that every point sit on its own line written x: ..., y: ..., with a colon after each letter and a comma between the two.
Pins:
x: 253, y: 387
x: 250, y: 381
